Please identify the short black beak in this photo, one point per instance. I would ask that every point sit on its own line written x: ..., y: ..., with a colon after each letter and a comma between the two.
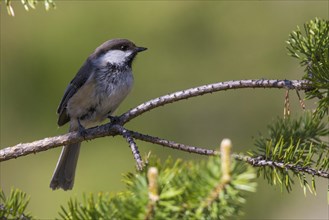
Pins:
x: 140, y: 49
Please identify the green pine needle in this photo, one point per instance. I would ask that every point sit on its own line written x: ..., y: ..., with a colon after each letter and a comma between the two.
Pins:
x: 300, y: 142
x: 312, y: 49
x: 14, y: 206
x: 187, y: 190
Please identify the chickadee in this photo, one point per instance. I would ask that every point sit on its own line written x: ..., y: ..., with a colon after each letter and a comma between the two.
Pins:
x: 101, y: 84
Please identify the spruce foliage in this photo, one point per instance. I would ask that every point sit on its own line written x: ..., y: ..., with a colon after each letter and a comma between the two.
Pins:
x: 185, y: 190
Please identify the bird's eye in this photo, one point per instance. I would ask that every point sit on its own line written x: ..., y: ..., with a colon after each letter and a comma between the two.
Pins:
x: 124, y: 47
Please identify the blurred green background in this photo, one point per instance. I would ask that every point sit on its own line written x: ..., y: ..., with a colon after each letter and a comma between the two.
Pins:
x: 190, y: 43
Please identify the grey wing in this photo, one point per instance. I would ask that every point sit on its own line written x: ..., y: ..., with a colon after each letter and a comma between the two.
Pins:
x: 80, y: 79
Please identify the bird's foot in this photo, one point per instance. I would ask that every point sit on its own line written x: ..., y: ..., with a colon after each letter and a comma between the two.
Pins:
x: 113, y: 119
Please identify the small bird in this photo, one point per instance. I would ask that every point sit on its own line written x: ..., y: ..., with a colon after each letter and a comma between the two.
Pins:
x: 101, y: 84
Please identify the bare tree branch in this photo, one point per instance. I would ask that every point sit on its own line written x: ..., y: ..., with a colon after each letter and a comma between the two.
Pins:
x: 116, y: 129
x: 23, y: 149
x: 210, y: 88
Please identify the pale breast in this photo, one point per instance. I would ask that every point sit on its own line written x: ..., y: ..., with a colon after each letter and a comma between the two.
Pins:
x: 99, y: 97
x: 112, y: 92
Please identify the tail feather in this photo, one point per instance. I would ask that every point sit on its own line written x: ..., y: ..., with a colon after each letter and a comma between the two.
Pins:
x: 64, y: 173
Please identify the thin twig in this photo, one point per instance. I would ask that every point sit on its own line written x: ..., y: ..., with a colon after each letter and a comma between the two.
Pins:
x: 133, y: 146
x: 261, y: 162
x: 254, y: 161
x: 286, y: 109
x: 172, y: 144
x: 301, y: 102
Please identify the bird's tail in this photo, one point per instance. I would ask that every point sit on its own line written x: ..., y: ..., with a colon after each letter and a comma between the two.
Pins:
x: 64, y: 173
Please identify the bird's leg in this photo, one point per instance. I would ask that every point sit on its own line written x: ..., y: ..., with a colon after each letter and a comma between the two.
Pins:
x: 81, y: 129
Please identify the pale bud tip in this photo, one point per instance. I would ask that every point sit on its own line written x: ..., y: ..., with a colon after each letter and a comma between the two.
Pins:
x: 226, y: 144
x: 152, y: 172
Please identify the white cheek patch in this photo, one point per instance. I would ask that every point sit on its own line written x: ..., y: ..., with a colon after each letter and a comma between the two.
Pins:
x: 114, y: 57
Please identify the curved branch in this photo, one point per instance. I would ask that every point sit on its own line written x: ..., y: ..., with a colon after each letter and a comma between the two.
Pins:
x: 210, y: 88
x: 113, y: 129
